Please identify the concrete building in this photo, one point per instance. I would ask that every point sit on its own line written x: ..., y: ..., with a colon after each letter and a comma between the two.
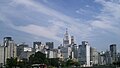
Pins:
x: 101, y: 58
x: 24, y: 51
x: 84, y: 53
x: 93, y: 56
x: 10, y: 48
x: 25, y: 55
x: 108, y: 58
x: 66, y: 52
x: 113, y: 52
x: 28, y: 49
x: 50, y: 45
x: 38, y: 46
x: 75, y: 51
x: 52, y: 53
x: 105, y: 58
x: 20, y: 48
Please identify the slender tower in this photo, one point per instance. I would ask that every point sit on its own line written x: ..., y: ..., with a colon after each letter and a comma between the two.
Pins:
x: 66, y: 38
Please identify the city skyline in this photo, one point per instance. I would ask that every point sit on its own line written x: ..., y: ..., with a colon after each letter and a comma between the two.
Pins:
x: 95, y: 21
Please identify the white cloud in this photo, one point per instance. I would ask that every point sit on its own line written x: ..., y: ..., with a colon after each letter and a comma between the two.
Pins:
x: 87, y: 11
x: 39, y: 31
x: 109, y: 18
x: 59, y: 22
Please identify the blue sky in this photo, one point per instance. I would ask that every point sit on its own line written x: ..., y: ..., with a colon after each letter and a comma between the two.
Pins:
x: 96, y: 21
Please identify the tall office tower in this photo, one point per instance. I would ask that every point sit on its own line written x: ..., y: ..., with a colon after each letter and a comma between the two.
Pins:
x: 50, y: 45
x: 66, y: 39
x: 113, y: 52
x: 84, y: 53
x: 93, y: 56
x: 9, y: 48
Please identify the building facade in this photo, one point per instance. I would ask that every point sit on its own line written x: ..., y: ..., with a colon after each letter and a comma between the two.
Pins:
x: 84, y: 53
x: 93, y: 56
x: 113, y: 52
x: 10, y: 48
x: 50, y: 45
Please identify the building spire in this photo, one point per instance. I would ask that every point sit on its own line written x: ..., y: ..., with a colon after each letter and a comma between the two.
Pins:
x: 66, y: 31
x: 66, y: 38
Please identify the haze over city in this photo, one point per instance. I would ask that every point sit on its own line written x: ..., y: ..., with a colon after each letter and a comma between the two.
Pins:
x: 95, y: 21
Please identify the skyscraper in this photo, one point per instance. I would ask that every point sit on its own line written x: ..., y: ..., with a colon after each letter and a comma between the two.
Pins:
x: 113, y: 52
x: 9, y: 48
x: 66, y: 39
x: 84, y: 53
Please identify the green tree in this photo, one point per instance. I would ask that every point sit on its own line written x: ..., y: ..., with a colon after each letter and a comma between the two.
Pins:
x: 38, y: 58
x: 69, y: 62
x: 116, y: 63
x: 11, y: 62
x: 23, y: 64
x: 54, y: 62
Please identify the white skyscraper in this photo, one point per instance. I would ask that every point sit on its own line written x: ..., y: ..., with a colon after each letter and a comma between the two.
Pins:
x: 66, y: 40
x: 84, y: 53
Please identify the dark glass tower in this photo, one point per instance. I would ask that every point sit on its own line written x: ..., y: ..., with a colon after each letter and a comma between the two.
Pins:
x: 113, y: 52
